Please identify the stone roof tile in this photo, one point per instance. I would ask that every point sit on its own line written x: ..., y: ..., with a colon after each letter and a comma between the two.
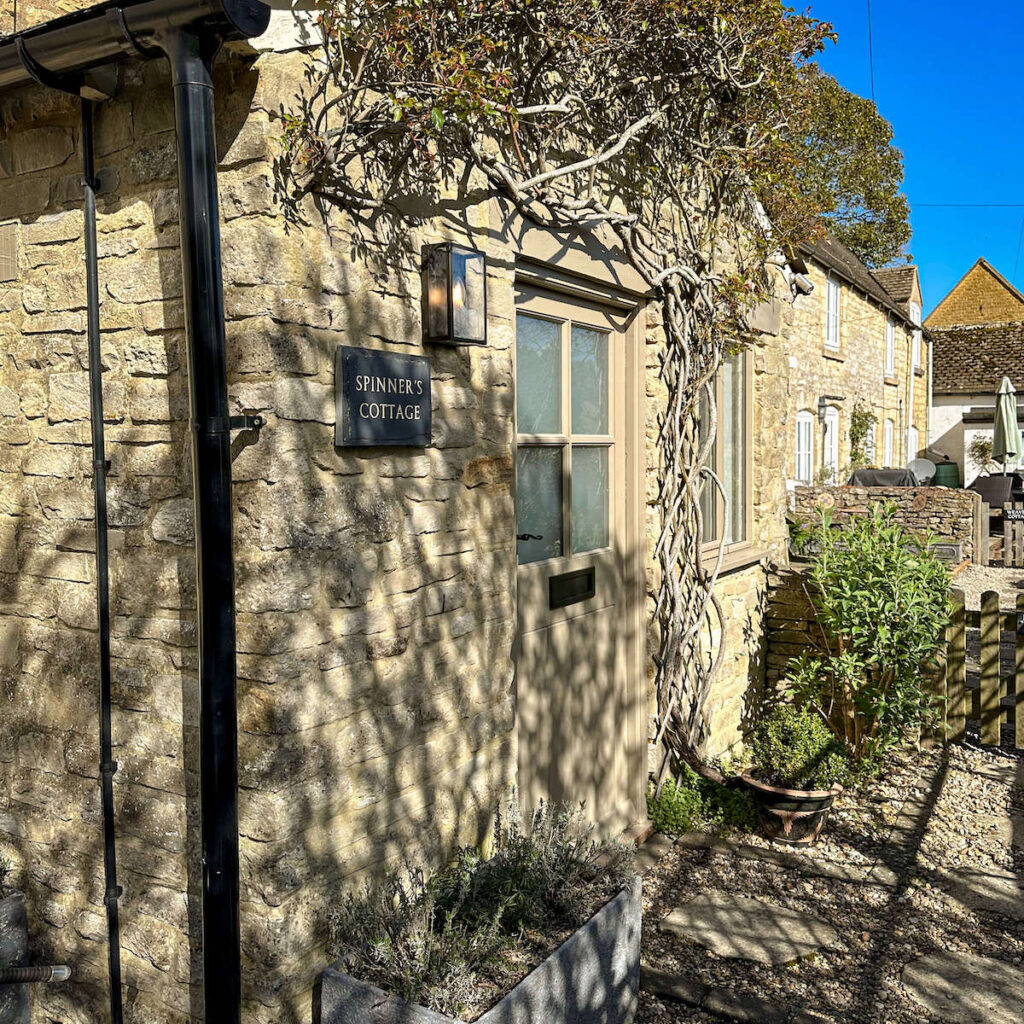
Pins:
x: 974, y: 359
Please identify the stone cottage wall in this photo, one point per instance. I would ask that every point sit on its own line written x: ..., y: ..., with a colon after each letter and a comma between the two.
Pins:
x: 942, y: 512
x: 856, y: 371
x: 375, y: 590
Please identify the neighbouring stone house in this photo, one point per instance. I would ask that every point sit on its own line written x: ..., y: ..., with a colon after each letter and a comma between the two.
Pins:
x: 402, y: 663
x: 852, y: 341
x: 978, y: 332
x: 981, y: 296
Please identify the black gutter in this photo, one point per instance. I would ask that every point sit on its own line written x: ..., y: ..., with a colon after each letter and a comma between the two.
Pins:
x: 75, y: 49
x: 108, y: 766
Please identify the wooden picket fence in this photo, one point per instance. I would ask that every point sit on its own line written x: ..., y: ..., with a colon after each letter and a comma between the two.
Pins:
x: 1007, y: 550
x: 982, y: 671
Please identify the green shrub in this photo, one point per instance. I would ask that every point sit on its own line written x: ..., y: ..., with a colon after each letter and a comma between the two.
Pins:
x: 690, y: 802
x: 794, y: 748
x: 882, y: 602
x: 434, y: 942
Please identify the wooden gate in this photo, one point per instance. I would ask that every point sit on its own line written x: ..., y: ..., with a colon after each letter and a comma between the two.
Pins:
x: 981, y: 676
x: 1010, y: 553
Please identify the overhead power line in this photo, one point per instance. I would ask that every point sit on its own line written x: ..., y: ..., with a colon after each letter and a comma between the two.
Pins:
x: 871, y: 55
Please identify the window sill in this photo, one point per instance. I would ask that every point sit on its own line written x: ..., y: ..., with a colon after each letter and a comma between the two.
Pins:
x: 891, y: 381
x: 834, y: 353
x: 918, y: 371
x: 736, y: 557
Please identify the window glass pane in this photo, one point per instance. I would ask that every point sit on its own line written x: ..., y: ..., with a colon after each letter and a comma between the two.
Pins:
x: 539, y: 502
x: 590, y: 487
x: 734, y: 446
x: 538, y: 375
x: 589, y: 381
x: 709, y: 495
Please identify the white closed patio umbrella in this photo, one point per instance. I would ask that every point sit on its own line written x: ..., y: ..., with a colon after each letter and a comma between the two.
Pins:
x: 1006, y: 437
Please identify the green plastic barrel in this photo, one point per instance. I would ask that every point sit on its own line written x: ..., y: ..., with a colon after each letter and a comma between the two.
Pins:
x: 947, y: 474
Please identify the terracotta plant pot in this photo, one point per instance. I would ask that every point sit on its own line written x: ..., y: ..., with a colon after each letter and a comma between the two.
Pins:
x: 790, y: 815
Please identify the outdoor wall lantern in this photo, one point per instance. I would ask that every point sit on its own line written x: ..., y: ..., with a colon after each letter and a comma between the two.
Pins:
x: 454, y: 295
x: 824, y: 401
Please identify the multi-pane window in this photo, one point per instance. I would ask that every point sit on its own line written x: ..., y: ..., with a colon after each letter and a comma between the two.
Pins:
x: 729, y: 457
x: 887, y: 443
x: 804, y: 448
x: 915, y: 317
x: 563, y: 483
x: 833, y: 298
x: 869, y: 444
x: 890, y: 347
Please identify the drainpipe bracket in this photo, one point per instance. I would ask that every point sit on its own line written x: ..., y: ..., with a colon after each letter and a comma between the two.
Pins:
x: 108, y: 767
x: 225, y: 424
x: 111, y: 896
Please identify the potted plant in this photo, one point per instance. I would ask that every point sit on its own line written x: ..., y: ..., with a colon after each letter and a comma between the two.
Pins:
x: 881, y: 601
x: 546, y: 928
x: 799, y: 769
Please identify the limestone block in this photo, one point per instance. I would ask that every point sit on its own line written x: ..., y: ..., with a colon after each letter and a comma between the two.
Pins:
x: 241, y: 196
x: 10, y: 637
x: 68, y: 397
x: 173, y: 522
x: 155, y: 401
x: 10, y: 404
x: 142, y: 280
x: 35, y: 149
x: 51, y: 228
x: 348, y: 576
x: 261, y: 345
x: 276, y: 585
x: 296, y: 398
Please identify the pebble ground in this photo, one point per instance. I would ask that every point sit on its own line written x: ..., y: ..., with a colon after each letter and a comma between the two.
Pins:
x: 965, y: 809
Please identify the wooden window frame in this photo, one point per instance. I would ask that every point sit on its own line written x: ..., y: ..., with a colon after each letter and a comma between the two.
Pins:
x: 804, y: 417
x: 833, y: 286
x: 890, y: 348
x: 888, y: 443
x: 742, y: 552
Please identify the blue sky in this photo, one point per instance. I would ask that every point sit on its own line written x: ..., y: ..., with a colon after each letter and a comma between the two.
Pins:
x: 950, y: 79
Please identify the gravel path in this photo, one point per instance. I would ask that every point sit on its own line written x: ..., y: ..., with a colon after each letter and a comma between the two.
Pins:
x: 932, y: 815
x: 974, y: 580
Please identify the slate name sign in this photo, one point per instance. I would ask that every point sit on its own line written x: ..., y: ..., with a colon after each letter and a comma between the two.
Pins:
x: 1014, y: 515
x: 381, y: 399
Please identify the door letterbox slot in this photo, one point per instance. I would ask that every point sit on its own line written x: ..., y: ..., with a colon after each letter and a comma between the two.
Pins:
x: 571, y: 587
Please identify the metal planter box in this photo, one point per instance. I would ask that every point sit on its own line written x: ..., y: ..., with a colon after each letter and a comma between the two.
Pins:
x: 13, y: 953
x: 592, y: 978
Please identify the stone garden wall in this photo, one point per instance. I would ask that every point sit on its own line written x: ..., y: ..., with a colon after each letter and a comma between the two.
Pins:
x: 945, y: 513
x: 376, y: 613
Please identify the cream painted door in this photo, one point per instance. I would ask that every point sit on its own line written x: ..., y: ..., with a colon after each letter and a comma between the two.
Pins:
x: 579, y: 714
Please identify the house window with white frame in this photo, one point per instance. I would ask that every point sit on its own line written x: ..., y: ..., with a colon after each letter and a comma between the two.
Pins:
x: 915, y: 319
x: 730, y: 455
x: 832, y: 444
x: 890, y: 347
x: 832, y: 303
x: 804, y: 448
x: 887, y: 443
x: 913, y: 443
x: 869, y: 444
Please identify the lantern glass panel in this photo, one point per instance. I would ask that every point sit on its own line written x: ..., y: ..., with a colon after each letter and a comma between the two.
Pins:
x: 468, y: 301
x: 437, y: 293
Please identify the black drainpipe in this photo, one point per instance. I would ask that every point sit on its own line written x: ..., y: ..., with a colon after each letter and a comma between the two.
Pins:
x: 100, y: 466
x: 75, y: 50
